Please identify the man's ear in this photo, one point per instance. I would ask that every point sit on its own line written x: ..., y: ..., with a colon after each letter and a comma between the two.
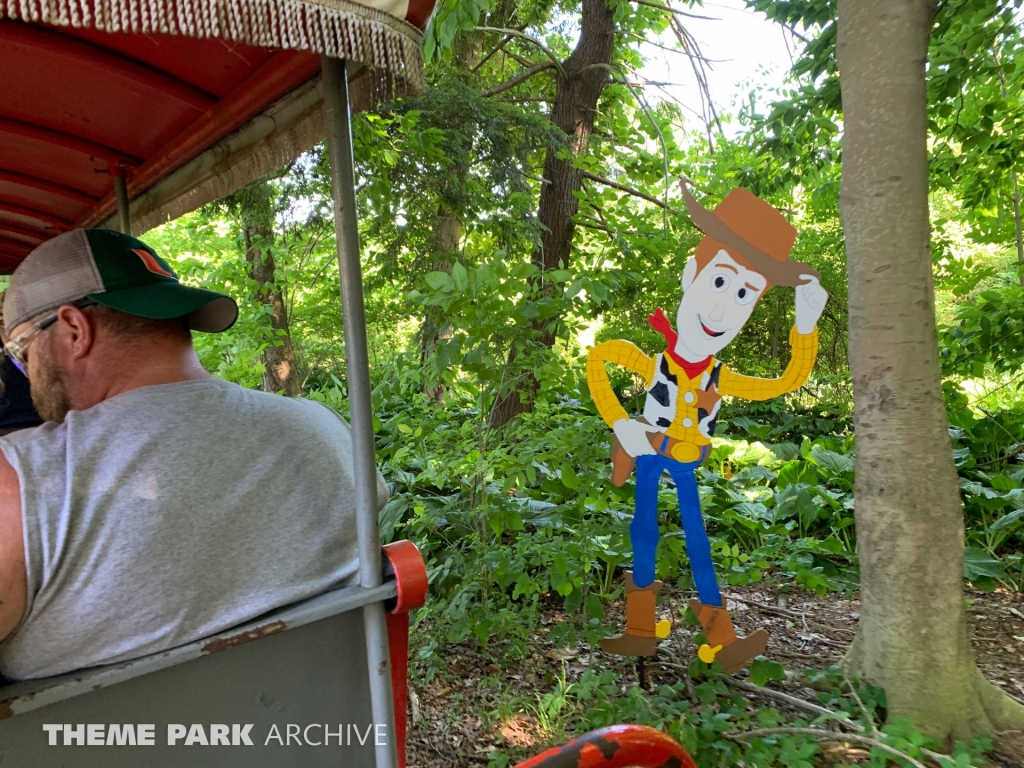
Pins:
x: 78, y: 328
x: 689, y: 273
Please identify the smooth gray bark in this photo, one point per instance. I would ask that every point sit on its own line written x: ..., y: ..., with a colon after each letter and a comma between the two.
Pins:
x: 913, y: 638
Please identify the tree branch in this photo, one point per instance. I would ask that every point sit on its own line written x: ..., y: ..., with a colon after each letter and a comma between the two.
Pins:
x: 661, y: 7
x: 520, y: 78
x: 833, y: 737
x: 642, y: 103
x: 537, y: 100
x: 629, y: 190
x: 491, y: 53
x: 535, y: 41
x: 792, y: 701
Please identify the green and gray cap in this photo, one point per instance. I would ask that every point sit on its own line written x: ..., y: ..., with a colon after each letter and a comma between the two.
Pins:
x: 115, y: 270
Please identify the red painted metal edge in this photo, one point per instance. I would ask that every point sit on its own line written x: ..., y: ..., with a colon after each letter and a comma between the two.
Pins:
x: 274, y: 79
x: 618, y: 746
x: 410, y: 575
x: 405, y: 562
x: 398, y: 649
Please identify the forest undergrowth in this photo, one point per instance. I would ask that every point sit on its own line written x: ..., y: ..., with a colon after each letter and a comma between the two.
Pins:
x: 526, y: 541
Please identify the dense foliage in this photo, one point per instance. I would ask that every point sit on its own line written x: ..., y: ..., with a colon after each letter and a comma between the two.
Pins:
x: 518, y: 517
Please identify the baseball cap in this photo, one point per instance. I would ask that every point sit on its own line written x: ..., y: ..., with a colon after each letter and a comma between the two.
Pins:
x: 113, y: 269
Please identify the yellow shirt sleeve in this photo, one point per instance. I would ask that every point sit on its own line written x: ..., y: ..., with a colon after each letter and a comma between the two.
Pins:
x: 805, y: 351
x: 623, y: 353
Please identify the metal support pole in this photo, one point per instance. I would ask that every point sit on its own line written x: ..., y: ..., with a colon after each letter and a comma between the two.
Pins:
x: 121, y: 192
x: 357, y: 361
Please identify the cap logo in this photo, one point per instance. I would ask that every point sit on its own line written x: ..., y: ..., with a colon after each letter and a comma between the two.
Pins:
x: 151, y: 263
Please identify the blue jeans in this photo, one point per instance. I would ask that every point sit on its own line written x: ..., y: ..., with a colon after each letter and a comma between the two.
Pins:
x: 643, y: 532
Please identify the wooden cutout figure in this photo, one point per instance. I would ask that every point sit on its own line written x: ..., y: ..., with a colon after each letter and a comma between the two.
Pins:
x: 744, y: 252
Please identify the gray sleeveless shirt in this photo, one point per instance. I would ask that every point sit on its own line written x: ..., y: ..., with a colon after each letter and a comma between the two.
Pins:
x: 172, y: 512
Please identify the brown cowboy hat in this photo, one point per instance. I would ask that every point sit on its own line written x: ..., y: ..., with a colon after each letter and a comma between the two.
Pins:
x: 742, y: 219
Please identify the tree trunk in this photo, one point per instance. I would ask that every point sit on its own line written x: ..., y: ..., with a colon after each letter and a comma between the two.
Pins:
x: 281, y: 372
x: 448, y: 237
x: 912, y: 639
x: 574, y: 110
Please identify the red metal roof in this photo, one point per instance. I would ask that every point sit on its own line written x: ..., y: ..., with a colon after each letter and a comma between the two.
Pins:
x: 79, y: 106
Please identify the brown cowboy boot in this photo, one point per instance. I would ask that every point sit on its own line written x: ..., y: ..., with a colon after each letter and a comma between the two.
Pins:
x: 641, y: 633
x: 723, y: 646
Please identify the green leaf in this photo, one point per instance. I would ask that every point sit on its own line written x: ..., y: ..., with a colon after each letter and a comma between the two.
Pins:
x: 1006, y: 521
x: 832, y: 462
x: 797, y: 472
x: 569, y: 478
x: 1002, y: 483
x: 529, y: 311
x: 763, y: 670
x: 979, y: 563
x: 784, y: 451
x: 459, y: 277
x: 574, y: 600
x: 439, y: 281
x: 595, y: 609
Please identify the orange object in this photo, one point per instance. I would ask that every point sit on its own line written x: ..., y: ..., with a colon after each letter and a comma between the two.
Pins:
x: 617, y: 746
x: 405, y: 562
x: 641, y: 630
x: 410, y: 572
x: 724, y: 645
x: 752, y: 231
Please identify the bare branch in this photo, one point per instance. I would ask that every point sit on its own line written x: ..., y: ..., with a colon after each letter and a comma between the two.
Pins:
x: 629, y: 190
x: 523, y: 36
x: 644, y: 40
x: 491, y: 53
x: 827, y: 736
x: 516, y: 57
x: 590, y: 223
x: 661, y: 7
x: 840, y: 717
x: 527, y: 100
x: 642, y: 103
x: 796, y: 34
x: 698, y: 62
x: 520, y: 78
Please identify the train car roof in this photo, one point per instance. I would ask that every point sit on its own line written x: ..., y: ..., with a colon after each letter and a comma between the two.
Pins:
x: 186, y: 110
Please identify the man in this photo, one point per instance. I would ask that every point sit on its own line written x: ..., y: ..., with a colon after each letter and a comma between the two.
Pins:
x: 158, y: 505
x: 746, y: 247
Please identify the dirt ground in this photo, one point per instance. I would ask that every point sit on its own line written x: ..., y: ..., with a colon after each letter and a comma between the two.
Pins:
x: 807, y: 631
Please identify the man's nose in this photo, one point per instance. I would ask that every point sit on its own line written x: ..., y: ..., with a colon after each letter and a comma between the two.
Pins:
x: 717, y: 312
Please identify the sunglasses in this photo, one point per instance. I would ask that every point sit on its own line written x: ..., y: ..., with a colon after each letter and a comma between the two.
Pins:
x: 15, y: 349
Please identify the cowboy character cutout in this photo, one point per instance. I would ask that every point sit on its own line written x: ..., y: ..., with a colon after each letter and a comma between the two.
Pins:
x: 744, y: 252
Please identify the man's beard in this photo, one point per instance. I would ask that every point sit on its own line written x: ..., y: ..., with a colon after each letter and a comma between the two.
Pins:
x: 49, y: 390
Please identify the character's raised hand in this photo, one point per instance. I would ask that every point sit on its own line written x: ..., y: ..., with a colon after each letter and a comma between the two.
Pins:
x: 632, y: 435
x: 810, y: 303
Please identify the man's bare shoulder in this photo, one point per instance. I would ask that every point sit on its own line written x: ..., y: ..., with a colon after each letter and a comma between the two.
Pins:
x: 13, y: 581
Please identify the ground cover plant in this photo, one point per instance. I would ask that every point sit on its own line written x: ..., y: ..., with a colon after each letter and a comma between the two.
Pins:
x: 497, y: 461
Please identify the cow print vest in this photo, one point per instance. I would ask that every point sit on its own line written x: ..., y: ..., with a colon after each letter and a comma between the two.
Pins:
x: 660, y: 407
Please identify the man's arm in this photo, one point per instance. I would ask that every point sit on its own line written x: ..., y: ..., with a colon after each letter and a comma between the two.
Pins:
x: 13, y: 581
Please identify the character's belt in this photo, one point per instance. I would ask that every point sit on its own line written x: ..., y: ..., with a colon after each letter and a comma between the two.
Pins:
x: 669, y: 447
x: 674, y: 448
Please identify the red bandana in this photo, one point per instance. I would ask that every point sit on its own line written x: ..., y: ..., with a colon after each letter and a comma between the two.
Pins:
x: 662, y: 325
